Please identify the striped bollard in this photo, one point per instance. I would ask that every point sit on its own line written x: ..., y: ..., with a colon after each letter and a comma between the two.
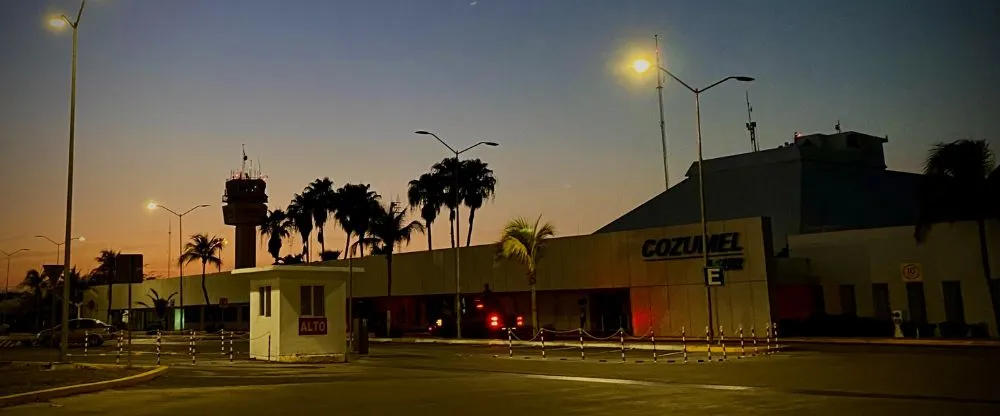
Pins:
x: 753, y: 335
x: 583, y: 355
x: 542, y: 333
x: 194, y: 350
x: 621, y: 333
x: 684, y: 345
x: 742, y: 346
x: 222, y: 342
x: 510, y: 343
x: 86, y: 341
x: 652, y: 337
x: 158, y: 341
x: 118, y: 354
x: 774, y: 329
x: 708, y: 341
x: 767, y: 336
x: 230, y: 347
x: 722, y: 342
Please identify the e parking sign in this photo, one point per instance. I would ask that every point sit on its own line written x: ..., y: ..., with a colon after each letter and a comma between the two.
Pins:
x: 714, y: 276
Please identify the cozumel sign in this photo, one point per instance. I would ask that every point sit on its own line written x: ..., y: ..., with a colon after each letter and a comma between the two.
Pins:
x: 690, y: 247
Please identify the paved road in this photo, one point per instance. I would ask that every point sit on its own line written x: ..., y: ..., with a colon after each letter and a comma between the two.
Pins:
x: 437, y: 379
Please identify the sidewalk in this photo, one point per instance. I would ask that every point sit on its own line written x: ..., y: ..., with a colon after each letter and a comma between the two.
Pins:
x: 917, y: 342
x: 672, y: 344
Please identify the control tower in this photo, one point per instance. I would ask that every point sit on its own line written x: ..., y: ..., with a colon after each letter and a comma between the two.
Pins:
x: 245, y: 207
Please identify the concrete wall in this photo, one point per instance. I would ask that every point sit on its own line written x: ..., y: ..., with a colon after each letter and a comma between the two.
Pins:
x: 863, y: 257
x: 264, y: 330
x: 292, y: 345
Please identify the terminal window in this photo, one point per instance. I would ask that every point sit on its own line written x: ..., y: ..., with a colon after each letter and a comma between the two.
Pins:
x: 312, y: 301
x: 264, y: 300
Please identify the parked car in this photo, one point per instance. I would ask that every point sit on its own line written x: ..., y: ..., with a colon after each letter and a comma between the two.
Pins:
x: 92, y: 331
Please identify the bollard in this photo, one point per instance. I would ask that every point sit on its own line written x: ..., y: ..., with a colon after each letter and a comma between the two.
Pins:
x: 652, y: 337
x: 774, y: 329
x: 222, y: 342
x: 722, y: 342
x: 510, y: 343
x: 118, y: 355
x: 230, y: 347
x: 542, y: 333
x: 158, y: 341
x: 742, y: 346
x: 86, y: 341
x: 684, y: 345
x: 753, y: 335
x: 621, y: 333
x: 767, y: 337
x: 583, y: 355
x: 708, y: 341
x: 194, y: 348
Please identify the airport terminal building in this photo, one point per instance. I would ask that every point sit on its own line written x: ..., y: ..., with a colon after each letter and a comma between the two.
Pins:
x: 816, y: 235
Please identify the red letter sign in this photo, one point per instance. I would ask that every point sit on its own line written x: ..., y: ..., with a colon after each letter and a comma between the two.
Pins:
x: 312, y: 325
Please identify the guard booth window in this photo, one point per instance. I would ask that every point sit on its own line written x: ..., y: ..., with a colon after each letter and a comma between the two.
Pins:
x: 916, y: 302
x: 880, y: 301
x: 264, y: 300
x: 312, y: 302
x: 954, y: 307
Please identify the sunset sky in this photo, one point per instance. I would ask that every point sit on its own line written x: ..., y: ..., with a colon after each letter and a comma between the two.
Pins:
x: 169, y: 90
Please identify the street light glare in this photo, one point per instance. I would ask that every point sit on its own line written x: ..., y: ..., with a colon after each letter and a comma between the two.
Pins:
x: 57, y: 22
x: 640, y: 65
x: 152, y: 205
x: 81, y: 238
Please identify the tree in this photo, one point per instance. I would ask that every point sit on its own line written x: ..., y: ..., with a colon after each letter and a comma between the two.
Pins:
x: 329, y: 255
x: 34, y: 282
x: 479, y: 185
x: 961, y: 183
x: 389, y: 230
x: 445, y: 173
x: 291, y: 259
x: 427, y: 194
x: 206, y: 250
x: 524, y: 243
x: 159, y: 305
x: 104, y: 273
x: 299, y: 214
x: 356, y: 205
x: 322, y: 199
x: 275, y: 228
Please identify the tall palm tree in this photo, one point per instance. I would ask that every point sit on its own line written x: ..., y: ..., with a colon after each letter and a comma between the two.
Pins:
x: 206, y: 250
x: 445, y: 172
x: 159, y: 305
x: 480, y: 185
x: 389, y: 230
x: 322, y: 196
x: 275, y: 228
x: 427, y: 194
x: 105, y: 271
x: 524, y: 243
x: 300, y: 218
x: 34, y: 282
x: 961, y: 183
x: 356, y: 205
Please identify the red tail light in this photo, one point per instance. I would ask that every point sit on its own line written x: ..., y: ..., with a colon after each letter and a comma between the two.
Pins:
x: 494, y: 320
x: 520, y: 321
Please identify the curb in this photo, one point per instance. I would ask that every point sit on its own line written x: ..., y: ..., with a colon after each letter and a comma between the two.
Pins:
x: 49, y: 394
x: 910, y: 342
x: 612, y: 345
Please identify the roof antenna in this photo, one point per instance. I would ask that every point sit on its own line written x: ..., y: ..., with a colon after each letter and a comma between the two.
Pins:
x: 837, y: 127
x: 751, y: 125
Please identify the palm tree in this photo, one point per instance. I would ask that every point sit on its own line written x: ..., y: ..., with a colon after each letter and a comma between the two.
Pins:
x: 291, y: 259
x: 159, y: 305
x: 524, y: 243
x: 426, y: 193
x: 445, y: 172
x: 479, y: 185
x: 389, y: 230
x: 322, y: 201
x: 356, y: 205
x: 300, y: 218
x: 79, y: 286
x: 961, y: 183
x: 275, y: 228
x: 34, y: 282
x: 206, y: 250
x: 329, y: 255
x: 104, y: 273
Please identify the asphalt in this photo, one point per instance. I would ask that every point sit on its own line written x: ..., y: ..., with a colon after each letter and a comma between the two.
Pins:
x: 461, y: 380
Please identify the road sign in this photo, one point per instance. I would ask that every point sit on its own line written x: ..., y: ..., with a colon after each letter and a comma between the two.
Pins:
x: 911, y: 272
x: 714, y: 276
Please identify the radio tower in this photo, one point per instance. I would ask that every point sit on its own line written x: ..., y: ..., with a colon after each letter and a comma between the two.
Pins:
x: 751, y: 125
x: 245, y: 208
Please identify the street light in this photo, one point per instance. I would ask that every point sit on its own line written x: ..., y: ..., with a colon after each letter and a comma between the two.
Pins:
x: 701, y: 172
x: 59, y: 23
x: 180, y: 244
x: 458, y: 238
x: 6, y: 285
x: 58, y: 244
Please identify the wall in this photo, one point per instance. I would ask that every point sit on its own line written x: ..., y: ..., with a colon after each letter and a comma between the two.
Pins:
x: 264, y: 330
x: 334, y: 294
x: 863, y: 257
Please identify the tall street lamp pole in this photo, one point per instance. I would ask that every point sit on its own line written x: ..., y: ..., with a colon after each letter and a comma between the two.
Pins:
x: 180, y: 246
x: 6, y: 285
x: 458, y: 235
x: 58, y: 244
x: 60, y: 22
x: 701, y: 172
x: 663, y: 126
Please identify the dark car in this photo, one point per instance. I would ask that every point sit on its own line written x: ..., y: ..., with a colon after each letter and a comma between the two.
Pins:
x: 91, y: 331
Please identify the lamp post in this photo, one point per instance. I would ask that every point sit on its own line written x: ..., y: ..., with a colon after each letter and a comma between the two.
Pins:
x: 180, y: 245
x: 642, y: 65
x: 458, y: 235
x: 61, y: 22
x: 639, y: 66
x: 58, y: 244
x: 6, y: 285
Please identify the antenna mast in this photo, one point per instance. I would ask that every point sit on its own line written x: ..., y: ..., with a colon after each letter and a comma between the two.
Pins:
x: 751, y: 126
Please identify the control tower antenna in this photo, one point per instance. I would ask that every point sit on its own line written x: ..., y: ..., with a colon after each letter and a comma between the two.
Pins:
x: 751, y: 126
x: 245, y: 207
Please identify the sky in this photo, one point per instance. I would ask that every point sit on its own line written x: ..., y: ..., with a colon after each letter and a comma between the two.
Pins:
x: 168, y: 91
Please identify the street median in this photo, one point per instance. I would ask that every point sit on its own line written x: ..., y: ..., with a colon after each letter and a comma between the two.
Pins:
x: 63, y: 391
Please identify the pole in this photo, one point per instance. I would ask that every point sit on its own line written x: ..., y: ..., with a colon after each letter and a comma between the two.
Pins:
x: 583, y: 356
x: 510, y: 343
x: 652, y: 337
x: 58, y: 246
x: 722, y: 342
x: 170, y: 235
x: 64, y: 330
x: 350, y: 303
x: 708, y: 340
x: 684, y: 345
x: 742, y: 345
x: 458, y: 249
x: 542, y: 333
x: 180, y: 266
x: 621, y: 337
x: 128, y: 325
x: 753, y: 335
x: 6, y: 283
x: 704, y: 222
x: 158, y: 347
x: 663, y: 126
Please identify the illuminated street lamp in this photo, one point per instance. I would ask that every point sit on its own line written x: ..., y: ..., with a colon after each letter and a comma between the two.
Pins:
x: 458, y: 244
x: 180, y: 244
x: 61, y: 22
x: 58, y: 244
x: 641, y: 65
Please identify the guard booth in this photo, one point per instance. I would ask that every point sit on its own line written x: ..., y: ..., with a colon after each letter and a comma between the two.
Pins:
x: 297, y: 313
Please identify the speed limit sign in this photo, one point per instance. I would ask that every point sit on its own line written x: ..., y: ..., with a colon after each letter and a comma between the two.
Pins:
x: 911, y: 272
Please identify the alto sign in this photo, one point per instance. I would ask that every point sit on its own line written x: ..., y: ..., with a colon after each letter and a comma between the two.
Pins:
x: 312, y: 325
x: 691, y: 247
